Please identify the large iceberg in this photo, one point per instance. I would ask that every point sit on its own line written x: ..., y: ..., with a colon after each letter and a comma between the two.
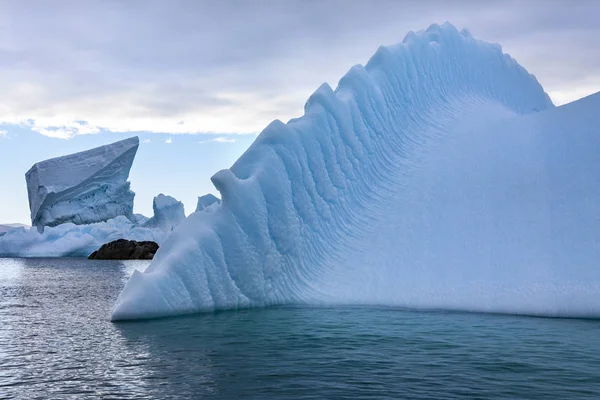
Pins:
x: 82, y: 188
x: 439, y: 175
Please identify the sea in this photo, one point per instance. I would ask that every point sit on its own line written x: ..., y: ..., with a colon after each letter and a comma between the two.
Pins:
x: 57, y: 342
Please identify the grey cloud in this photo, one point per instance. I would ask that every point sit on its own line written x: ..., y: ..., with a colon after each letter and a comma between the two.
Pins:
x: 175, y: 57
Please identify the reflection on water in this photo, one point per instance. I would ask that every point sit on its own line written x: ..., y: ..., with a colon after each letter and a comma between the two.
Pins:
x: 56, y: 341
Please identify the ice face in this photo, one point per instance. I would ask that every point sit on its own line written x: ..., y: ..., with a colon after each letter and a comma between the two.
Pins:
x: 82, y: 188
x: 206, y: 201
x: 168, y: 213
x: 420, y: 181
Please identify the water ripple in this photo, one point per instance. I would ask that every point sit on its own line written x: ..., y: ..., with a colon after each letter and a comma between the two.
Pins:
x: 56, y: 341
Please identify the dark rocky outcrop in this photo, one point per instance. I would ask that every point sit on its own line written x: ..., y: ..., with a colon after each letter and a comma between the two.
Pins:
x: 123, y: 249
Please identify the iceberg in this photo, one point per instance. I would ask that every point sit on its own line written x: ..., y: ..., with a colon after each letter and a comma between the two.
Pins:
x: 206, y: 201
x: 168, y: 213
x: 440, y: 175
x: 82, y: 188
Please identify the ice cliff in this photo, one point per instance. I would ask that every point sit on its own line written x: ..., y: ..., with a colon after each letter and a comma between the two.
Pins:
x: 82, y: 188
x: 439, y: 175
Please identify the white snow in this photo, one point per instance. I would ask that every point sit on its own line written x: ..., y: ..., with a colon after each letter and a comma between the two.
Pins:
x: 168, y: 213
x: 82, y: 188
x: 439, y: 175
x: 207, y: 201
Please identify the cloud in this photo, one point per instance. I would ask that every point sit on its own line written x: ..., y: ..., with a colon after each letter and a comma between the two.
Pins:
x: 220, y: 139
x: 233, y: 67
x: 3, y: 134
x: 147, y: 141
x: 224, y: 140
x: 64, y: 131
x: 169, y: 141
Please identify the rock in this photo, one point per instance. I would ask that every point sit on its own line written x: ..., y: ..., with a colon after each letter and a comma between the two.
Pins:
x: 123, y: 249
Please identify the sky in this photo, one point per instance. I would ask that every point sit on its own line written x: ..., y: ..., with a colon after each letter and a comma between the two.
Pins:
x: 198, y: 80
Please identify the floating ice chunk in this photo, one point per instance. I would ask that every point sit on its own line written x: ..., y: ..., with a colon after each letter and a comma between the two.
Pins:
x: 168, y: 213
x: 82, y: 188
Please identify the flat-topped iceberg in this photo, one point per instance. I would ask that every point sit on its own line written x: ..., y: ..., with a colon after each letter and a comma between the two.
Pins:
x: 439, y: 175
x: 82, y: 188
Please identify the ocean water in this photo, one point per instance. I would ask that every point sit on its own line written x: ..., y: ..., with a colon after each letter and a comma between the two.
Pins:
x: 56, y: 341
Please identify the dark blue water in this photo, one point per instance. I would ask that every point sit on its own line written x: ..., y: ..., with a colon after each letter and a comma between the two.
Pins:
x: 56, y: 341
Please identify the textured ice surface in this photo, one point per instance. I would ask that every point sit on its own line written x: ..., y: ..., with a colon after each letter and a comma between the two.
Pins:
x: 70, y: 240
x: 439, y: 175
x: 168, y: 213
x: 82, y: 188
x: 206, y: 201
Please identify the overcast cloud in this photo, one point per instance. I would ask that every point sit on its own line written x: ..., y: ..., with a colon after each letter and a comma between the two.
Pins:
x: 80, y: 67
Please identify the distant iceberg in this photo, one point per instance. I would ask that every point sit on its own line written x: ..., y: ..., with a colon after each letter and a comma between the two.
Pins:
x: 206, y: 201
x: 82, y: 188
x: 440, y: 175
x: 168, y: 213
